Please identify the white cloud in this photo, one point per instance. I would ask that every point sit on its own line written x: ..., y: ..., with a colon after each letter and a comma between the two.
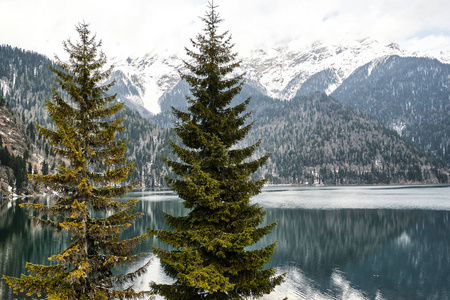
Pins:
x: 138, y: 26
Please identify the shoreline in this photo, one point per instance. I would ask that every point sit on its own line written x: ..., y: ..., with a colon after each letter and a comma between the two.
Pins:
x: 22, y: 196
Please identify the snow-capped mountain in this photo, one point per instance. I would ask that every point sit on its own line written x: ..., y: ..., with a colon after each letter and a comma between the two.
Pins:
x: 278, y: 73
x: 282, y: 71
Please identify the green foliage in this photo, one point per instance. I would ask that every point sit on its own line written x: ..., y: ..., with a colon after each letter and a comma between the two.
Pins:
x: 210, y: 260
x: 87, y: 190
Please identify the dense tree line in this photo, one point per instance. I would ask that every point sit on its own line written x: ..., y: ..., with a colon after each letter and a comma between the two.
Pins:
x: 17, y: 164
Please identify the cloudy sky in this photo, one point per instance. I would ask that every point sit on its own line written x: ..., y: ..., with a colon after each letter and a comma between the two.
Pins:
x: 136, y: 27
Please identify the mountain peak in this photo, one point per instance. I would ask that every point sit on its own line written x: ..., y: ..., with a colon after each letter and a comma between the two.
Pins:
x: 278, y: 72
x: 283, y: 73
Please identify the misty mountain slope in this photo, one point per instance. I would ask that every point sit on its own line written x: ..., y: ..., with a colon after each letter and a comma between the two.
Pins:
x: 284, y: 70
x: 26, y: 82
x: 144, y: 80
x: 408, y: 94
x: 287, y: 71
x: 316, y: 137
x: 319, y: 82
x: 313, y: 133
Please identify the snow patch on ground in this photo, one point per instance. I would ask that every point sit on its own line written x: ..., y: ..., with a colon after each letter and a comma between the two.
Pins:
x: 398, y: 126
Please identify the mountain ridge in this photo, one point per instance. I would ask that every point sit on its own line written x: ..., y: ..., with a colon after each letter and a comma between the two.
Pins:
x: 28, y: 80
x: 277, y: 73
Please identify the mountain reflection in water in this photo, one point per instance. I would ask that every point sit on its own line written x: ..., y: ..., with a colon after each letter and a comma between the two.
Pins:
x: 334, y: 253
x: 382, y: 254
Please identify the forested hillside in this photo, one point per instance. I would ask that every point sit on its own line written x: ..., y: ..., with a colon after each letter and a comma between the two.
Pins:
x: 22, y: 152
x: 408, y: 94
x: 317, y: 139
x: 13, y: 152
x: 26, y: 81
x: 311, y: 138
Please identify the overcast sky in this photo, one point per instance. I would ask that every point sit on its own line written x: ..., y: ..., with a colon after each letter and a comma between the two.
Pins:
x: 135, y: 27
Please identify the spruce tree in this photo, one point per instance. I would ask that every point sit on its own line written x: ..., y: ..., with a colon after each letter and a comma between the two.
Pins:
x: 209, y: 258
x: 89, y: 192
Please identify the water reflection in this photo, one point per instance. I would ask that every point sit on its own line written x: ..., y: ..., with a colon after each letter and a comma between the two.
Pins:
x: 375, y: 254
x: 327, y: 253
x: 153, y: 206
x: 327, y: 239
x: 415, y: 265
x: 351, y: 253
x: 22, y: 241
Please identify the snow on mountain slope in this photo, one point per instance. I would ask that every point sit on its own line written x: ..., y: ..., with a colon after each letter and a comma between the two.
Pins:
x: 144, y: 80
x: 284, y: 70
x: 278, y: 73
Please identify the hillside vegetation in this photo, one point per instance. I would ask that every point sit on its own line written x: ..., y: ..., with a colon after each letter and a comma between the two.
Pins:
x: 313, y: 138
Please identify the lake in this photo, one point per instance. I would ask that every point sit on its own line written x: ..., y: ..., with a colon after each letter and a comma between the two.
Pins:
x: 371, y: 242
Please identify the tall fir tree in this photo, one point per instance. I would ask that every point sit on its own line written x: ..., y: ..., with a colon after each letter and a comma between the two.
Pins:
x: 209, y: 259
x: 89, y: 202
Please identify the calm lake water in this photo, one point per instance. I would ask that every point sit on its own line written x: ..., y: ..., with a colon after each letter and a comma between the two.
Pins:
x: 383, y: 242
